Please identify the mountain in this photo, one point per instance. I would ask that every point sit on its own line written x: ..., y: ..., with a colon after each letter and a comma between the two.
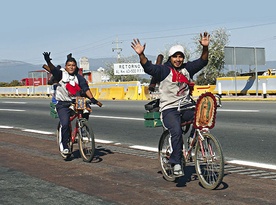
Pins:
x: 17, y: 70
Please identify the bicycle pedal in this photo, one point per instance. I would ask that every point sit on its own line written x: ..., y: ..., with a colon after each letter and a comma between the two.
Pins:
x: 165, y: 160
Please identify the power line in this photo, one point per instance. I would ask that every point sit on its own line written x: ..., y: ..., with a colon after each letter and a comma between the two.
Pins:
x: 117, y: 48
x: 94, y: 45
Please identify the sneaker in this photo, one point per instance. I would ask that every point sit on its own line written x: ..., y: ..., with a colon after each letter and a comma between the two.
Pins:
x: 66, y: 151
x: 177, y: 170
x: 85, y: 111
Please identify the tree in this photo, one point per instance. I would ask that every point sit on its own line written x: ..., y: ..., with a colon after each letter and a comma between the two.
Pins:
x: 11, y: 84
x: 14, y: 83
x: 4, y: 84
x: 219, y: 39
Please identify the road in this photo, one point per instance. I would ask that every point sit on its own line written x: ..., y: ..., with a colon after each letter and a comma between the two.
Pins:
x: 245, y: 129
x: 120, y: 174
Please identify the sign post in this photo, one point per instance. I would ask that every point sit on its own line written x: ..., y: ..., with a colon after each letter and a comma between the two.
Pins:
x: 245, y: 56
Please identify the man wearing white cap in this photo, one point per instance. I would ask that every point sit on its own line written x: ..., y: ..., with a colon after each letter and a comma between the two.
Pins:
x: 175, y: 79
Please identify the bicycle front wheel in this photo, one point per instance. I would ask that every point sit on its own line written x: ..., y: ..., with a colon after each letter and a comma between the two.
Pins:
x: 209, y: 161
x: 86, y: 141
x: 164, y: 152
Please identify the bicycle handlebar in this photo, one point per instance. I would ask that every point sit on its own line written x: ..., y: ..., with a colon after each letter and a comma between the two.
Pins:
x: 218, y: 100
x: 98, y: 103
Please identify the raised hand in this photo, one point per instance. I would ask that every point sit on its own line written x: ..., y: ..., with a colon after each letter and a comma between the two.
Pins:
x: 204, y: 39
x: 136, y: 45
x: 47, y: 56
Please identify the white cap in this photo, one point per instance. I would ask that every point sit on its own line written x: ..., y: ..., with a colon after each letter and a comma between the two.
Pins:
x: 175, y: 49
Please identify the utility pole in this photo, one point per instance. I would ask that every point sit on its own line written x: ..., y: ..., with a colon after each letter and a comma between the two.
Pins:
x: 118, y: 49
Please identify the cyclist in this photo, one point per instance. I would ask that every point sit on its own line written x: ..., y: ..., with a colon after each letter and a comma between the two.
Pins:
x: 71, y: 84
x: 175, y: 79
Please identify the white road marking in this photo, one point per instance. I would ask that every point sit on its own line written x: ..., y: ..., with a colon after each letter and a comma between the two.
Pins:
x: 103, y: 141
x: 152, y: 149
x: 12, y: 102
x: 142, y: 119
x: 229, y: 110
x: 6, y: 127
x: 113, y: 117
x: 254, y: 164
x: 12, y: 110
x: 38, y: 131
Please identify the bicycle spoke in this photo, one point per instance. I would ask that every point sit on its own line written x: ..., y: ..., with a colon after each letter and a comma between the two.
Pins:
x: 164, y: 156
x: 209, y: 162
x: 86, y: 142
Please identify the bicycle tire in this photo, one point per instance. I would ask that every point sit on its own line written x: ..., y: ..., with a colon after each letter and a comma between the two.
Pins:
x: 86, y: 141
x: 64, y: 156
x: 210, y: 168
x: 164, y: 148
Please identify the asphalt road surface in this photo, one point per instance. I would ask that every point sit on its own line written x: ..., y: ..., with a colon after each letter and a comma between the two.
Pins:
x: 32, y: 171
x: 245, y: 129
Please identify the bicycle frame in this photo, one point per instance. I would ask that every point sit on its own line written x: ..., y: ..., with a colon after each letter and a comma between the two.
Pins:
x: 74, y: 132
x: 79, y: 106
x: 197, y: 137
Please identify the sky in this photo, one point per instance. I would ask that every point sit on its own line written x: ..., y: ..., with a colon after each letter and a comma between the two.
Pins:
x: 91, y: 29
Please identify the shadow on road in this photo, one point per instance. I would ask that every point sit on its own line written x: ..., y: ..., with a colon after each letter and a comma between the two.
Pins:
x: 99, y: 153
x: 190, y: 175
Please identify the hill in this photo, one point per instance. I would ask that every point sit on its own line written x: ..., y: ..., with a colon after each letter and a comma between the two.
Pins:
x: 17, y: 70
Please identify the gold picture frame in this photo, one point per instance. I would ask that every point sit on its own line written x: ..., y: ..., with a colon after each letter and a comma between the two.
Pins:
x: 205, y: 112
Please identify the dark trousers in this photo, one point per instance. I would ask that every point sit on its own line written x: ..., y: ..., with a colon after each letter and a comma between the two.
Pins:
x: 64, y: 111
x: 172, y: 120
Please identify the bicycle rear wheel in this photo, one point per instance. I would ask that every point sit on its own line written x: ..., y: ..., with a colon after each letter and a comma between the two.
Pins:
x: 164, y: 152
x: 70, y: 144
x: 86, y: 141
x: 209, y: 161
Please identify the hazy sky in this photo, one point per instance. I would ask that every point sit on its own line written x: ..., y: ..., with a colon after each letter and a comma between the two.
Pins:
x: 90, y: 28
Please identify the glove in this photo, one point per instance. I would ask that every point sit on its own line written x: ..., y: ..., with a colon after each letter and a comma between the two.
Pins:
x: 96, y: 102
x: 47, y: 56
x: 69, y: 56
x: 93, y: 100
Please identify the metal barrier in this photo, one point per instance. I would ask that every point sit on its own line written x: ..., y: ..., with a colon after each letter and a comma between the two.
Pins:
x: 244, y: 85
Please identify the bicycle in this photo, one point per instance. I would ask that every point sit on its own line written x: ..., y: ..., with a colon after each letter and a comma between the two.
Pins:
x: 82, y: 132
x: 203, y: 148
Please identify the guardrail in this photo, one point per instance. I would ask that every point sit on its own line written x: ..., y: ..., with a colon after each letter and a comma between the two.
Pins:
x: 102, y: 91
x: 246, y: 85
